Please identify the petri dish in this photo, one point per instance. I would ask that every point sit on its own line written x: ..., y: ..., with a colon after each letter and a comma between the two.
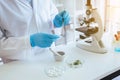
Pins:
x: 54, y: 71
x: 75, y: 63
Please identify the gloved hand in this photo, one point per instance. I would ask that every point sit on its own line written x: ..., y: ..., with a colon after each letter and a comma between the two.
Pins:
x: 61, y: 19
x: 42, y: 40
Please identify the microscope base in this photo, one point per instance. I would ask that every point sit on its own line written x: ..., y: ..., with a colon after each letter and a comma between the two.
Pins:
x: 90, y: 48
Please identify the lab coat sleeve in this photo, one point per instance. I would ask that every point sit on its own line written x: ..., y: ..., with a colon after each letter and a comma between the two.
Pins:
x: 54, y: 12
x: 9, y: 45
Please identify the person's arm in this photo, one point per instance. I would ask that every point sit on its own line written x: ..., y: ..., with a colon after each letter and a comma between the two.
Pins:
x: 53, y: 13
x: 9, y: 45
x: 53, y: 10
x: 59, y: 18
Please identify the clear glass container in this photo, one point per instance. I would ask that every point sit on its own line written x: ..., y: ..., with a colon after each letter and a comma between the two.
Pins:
x: 75, y: 63
x: 117, y: 47
x: 55, y: 70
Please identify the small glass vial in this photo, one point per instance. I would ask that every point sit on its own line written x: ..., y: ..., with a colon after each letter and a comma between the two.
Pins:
x: 117, y: 47
x: 117, y: 42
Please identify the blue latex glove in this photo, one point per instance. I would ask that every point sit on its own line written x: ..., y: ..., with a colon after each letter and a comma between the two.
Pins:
x: 42, y: 40
x: 61, y: 19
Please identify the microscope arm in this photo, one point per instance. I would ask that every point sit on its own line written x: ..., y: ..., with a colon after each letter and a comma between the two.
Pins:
x: 98, y: 20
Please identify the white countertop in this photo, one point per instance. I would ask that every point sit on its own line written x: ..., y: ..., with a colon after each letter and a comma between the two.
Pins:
x: 94, y: 66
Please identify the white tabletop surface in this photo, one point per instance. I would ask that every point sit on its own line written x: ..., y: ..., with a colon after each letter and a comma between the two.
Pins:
x: 94, y: 66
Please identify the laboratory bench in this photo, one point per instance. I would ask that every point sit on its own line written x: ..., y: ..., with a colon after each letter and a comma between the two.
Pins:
x: 94, y: 66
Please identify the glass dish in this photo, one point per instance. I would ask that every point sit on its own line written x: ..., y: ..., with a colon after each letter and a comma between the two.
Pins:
x: 54, y: 70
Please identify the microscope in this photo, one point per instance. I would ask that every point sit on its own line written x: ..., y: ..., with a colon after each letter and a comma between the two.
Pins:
x: 92, y: 30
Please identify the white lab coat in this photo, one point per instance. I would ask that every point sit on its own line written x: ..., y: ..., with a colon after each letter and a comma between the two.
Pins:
x: 18, y: 20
